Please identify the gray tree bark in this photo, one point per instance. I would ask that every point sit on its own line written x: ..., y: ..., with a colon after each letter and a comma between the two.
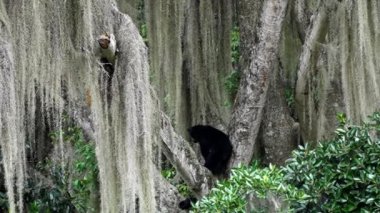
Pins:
x: 252, y: 94
x: 279, y: 134
x: 184, y: 159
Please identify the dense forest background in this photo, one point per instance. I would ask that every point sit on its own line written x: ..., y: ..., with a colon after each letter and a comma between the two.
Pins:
x: 77, y: 134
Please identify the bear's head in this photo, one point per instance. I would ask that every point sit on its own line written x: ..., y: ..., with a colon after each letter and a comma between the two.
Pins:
x: 196, y: 132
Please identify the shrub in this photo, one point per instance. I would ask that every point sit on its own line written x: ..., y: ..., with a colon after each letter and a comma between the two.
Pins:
x: 341, y: 175
x: 231, y: 195
x: 84, y: 171
x: 73, y: 186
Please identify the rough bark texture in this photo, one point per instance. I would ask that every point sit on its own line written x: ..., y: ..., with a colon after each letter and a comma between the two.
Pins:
x: 52, y: 56
x: 327, y: 53
x: 278, y: 133
x: 166, y: 194
x: 271, y: 204
x: 252, y: 94
x: 132, y: 8
x: 338, y: 69
x: 185, y: 160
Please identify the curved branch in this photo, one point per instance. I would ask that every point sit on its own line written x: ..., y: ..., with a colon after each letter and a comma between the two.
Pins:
x: 181, y: 155
x: 169, y: 196
x: 308, y: 47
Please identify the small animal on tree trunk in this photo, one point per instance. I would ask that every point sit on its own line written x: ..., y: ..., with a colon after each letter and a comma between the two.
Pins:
x: 216, y: 147
x: 108, y: 51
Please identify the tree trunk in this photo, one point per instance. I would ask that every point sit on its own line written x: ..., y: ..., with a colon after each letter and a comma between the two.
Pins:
x: 252, y: 94
x: 184, y: 159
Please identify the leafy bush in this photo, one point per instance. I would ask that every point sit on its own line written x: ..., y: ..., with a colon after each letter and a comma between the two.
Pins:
x: 43, y: 198
x: 231, y: 195
x: 168, y: 173
x: 341, y: 175
x: 84, y: 170
x: 72, y: 185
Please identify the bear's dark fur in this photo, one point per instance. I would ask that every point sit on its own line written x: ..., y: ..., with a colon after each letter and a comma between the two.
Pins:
x: 186, y: 204
x: 215, y: 147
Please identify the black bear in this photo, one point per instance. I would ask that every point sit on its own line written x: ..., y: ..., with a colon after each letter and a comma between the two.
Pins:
x: 215, y: 147
x: 186, y: 204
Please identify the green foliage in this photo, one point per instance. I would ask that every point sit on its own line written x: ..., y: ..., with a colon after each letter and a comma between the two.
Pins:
x: 43, y: 198
x: 3, y: 202
x: 341, y: 175
x: 84, y: 170
x: 141, y: 11
x: 142, y: 21
x: 168, y: 173
x: 230, y: 195
x: 342, y: 119
x: 72, y: 185
x: 144, y: 33
x: 235, y: 45
x: 183, y: 189
x: 232, y: 81
x: 289, y: 97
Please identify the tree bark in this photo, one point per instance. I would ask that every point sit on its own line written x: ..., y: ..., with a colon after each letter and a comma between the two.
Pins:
x: 303, y: 100
x: 184, y: 159
x: 248, y: 111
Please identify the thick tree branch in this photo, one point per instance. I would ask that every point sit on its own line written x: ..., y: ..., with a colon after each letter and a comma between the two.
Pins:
x: 184, y: 159
x: 169, y: 196
x: 179, y: 153
x: 311, y: 41
x: 247, y: 115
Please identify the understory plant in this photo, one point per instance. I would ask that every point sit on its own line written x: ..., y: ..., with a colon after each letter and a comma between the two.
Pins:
x: 232, y: 195
x: 339, y: 175
x: 169, y: 173
x: 231, y: 82
x: 73, y: 186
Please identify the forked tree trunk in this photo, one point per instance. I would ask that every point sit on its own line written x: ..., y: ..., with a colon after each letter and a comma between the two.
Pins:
x: 250, y: 102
